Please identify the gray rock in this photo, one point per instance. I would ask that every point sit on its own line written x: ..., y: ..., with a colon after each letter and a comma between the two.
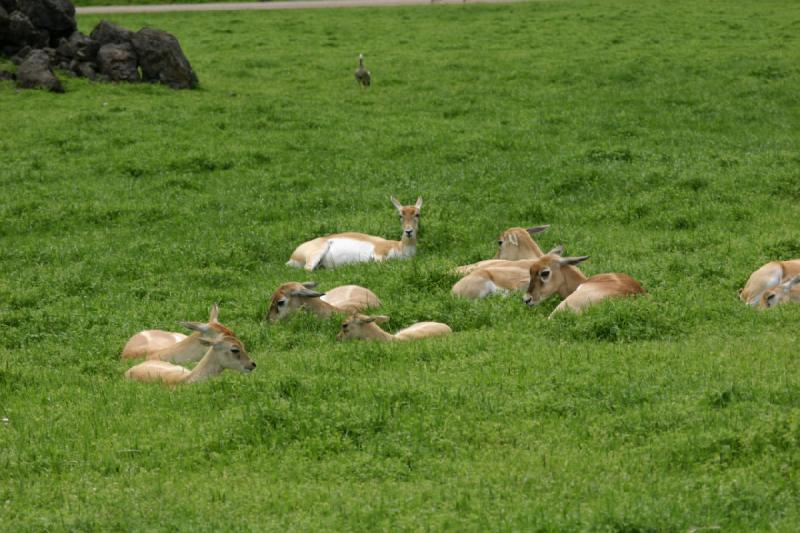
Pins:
x: 162, y: 59
x: 35, y: 72
x: 21, y: 54
x: 118, y: 62
x: 107, y: 33
x: 4, y: 22
x: 87, y: 70
x: 79, y: 47
x: 21, y: 32
x: 55, y: 16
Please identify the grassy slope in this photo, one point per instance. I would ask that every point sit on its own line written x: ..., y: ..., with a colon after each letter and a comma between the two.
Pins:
x: 661, y: 140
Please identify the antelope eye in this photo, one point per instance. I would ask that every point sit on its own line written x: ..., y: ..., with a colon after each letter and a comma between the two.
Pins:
x: 235, y: 350
x: 417, y: 215
x: 499, y: 243
x: 544, y: 274
x: 771, y: 298
x: 344, y: 326
x: 281, y: 303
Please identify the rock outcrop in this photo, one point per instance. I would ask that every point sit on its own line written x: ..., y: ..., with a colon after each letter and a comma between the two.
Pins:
x: 40, y: 35
x: 162, y: 60
x: 35, y: 73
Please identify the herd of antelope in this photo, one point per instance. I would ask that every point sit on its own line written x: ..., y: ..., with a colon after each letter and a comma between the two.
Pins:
x: 518, y: 264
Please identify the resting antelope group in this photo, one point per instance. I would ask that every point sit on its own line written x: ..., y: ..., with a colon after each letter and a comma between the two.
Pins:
x: 212, y: 344
x: 519, y: 263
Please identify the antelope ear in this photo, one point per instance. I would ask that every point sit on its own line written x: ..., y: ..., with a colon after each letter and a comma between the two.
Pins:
x: 379, y: 319
x: 418, y: 205
x: 558, y: 250
x: 397, y: 205
x: 206, y: 342
x: 309, y: 284
x: 196, y: 326
x: 538, y: 229
x: 213, y: 315
x: 513, y: 239
x: 572, y: 260
x: 306, y: 293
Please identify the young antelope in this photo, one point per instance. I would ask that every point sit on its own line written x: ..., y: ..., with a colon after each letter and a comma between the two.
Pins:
x: 514, y: 244
x: 552, y: 274
x: 768, y: 276
x: 291, y: 297
x: 176, y: 347
x: 366, y: 327
x: 221, y: 354
x: 343, y: 248
x: 788, y: 291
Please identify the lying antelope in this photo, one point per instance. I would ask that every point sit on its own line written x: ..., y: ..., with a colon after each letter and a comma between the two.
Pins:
x: 223, y: 353
x: 342, y: 248
x: 552, y: 274
x: 785, y: 292
x: 291, y: 297
x: 514, y: 244
x: 176, y: 347
x: 366, y: 327
x: 500, y: 278
x: 767, y: 277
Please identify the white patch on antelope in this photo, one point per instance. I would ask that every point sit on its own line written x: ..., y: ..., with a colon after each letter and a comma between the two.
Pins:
x: 343, y: 248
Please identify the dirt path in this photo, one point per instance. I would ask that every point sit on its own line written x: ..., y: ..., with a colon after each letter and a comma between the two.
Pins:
x: 300, y: 4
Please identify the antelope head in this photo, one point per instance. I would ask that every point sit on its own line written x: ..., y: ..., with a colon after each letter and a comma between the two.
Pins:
x: 409, y: 217
x: 290, y: 297
x: 513, y: 243
x: 779, y: 294
x: 547, y: 275
x: 229, y: 352
x: 211, y: 330
x: 359, y: 326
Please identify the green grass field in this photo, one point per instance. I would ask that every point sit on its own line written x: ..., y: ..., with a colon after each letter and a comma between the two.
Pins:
x: 659, y: 138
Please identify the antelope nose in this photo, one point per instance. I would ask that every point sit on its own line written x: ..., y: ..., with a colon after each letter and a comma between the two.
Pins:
x: 527, y: 299
x: 409, y: 232
x: 253, y: 364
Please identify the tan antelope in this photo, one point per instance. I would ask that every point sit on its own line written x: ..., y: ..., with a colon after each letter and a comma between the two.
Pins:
x: 514, y: 244
x: 223, y: 353
x: 366, y: 327
x: 291, y: 297
x: 770, y: 275
x: 503, y: 277
x: 552, y: 274
x: 342, y: 248
x: 788, y: 291
x: 176, y: 347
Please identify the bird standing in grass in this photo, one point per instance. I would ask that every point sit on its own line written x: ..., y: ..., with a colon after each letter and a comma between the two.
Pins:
x: 363, y: 75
